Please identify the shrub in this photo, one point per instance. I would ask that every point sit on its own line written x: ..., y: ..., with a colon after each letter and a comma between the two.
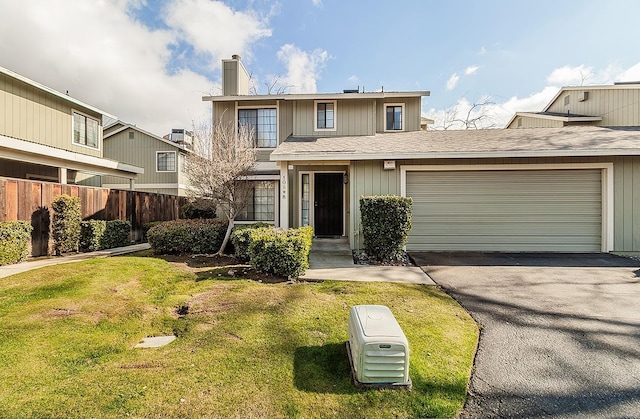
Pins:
x: 146, y: 227
x: 386, y: 222
x: 187, y: 236
x: 240, y: 238
x: 91, y: 233
x: 194, y: 210
x: 280, y: 252
x: 66, y: 224
x: 14, y: 241
x: 116, y: 234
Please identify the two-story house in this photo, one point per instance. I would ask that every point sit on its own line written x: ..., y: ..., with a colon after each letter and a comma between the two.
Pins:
x: 616, y: 105
x: 50, y: 136
x: 569, y: 189
x: 163, y: 159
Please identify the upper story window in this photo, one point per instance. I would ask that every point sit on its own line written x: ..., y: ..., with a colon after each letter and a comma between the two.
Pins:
x: 393, y: 117
x: 165, y: 161
x: 262, y: 123
x: 325, y: 116
x: 85, y: 130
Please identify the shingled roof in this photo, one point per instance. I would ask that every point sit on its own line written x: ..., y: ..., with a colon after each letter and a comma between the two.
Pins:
x: 534, y: 142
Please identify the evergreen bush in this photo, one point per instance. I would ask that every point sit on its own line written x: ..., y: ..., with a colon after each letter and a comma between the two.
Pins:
x: 14, y: 241
x: 187, y: 236
x: 386, y: 222
x: 280, y: 252
x: 240, y: 237
x: 65, y: 229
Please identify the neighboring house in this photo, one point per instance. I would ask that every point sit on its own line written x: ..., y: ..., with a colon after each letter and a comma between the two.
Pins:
x: 616, y: 105
x: 571, y: 189
x: 50, y: 136
x: 162, y: 159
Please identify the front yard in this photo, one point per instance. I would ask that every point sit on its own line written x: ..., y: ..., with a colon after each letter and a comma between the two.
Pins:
x: 244, y: 349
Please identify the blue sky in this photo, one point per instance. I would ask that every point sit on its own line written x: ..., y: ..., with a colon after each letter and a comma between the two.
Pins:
x: 149, y: 62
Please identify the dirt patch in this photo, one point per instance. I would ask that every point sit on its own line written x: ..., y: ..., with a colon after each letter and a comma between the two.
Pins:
x: 219, y: 267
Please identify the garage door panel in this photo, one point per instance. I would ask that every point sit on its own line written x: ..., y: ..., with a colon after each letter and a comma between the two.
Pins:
x: 533, y: 210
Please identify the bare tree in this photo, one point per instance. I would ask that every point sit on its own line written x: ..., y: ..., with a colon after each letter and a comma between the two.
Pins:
x: 275, y: 86
x: 218, y: 169
x: 476, y: 116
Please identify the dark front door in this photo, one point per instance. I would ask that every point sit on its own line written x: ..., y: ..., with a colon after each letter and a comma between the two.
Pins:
x: 328, y: 204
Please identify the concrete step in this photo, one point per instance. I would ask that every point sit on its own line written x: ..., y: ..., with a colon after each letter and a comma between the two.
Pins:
x: 334, y: 246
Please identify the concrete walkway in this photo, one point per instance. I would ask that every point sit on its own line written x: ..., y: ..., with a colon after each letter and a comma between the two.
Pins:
x: 331, y: 259
x: 29, y: 265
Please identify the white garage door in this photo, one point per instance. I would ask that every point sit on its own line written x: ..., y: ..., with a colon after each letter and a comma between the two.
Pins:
x: 507, y: 211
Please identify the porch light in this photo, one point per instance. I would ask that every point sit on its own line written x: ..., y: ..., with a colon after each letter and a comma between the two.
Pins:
x: 345, y: 178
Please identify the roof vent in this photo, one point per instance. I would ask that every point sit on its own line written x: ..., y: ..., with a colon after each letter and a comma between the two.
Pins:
x: 351, y: 91
x: 235, y: 57
x: 617, y: 83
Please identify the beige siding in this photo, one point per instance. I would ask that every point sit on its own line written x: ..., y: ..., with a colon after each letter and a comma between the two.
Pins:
x: 369, y: 178
x: 224, y: 111
x: 530, y: 122
x: 30, y: 114
x: 618, y: 107
x: 412, y: 113
x: 235, y: 80
x: 139, y: 151
x: 353, y: 117
x: 285, y: 120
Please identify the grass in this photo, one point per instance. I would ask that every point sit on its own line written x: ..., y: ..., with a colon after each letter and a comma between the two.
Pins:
x: 244, y: 348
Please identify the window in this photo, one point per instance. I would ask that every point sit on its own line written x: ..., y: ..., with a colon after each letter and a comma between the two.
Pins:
x: 85, y: 130
x: 262, y: 205
x: 132, y: 135
x: 165, y: 161
x: 393, y: 117
x: 262, y: 124
x: 566, y: 100
x: 325, y: 115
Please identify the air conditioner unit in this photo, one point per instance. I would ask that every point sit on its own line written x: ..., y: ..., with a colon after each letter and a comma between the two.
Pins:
x: 377, y: 347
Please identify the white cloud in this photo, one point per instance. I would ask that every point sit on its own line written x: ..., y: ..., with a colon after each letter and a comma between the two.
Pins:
x: 353, y: 79
x: 303, y: 68
x: 453, y: 80
x: 98, y: 52
x: 570, y: 76
x: 497, y: 114
x: 471, y: 70
x: 482, y: 50
x: 317, y: 3
x: 630, y: 74
x: 214, y: 28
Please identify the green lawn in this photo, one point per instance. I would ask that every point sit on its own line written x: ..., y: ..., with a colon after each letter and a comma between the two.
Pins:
x: 244, y: 348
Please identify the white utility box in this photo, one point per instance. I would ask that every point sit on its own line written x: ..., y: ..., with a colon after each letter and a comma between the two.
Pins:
x: 378, y: 349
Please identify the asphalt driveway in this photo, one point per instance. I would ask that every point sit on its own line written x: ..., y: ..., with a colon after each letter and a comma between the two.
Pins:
x: 561, y: 333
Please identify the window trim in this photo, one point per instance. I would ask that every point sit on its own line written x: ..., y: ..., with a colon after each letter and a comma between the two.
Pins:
x: 315, y: 115
x: 276, y: 107
x: 73, y: 129
x: 175, y: 160
x: 404, y: 117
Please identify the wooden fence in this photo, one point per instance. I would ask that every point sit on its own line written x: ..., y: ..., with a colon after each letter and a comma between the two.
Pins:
x: 31, y: 201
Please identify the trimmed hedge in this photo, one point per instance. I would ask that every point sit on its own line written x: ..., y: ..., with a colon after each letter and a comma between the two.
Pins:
x: 240, y: 237
x: 281, y: 252
x: 14, y: 241
x: 195, y: 210
x: 65, y: 229
x: 187, y: 236
x: 117, y: 234
x: 386, y: 222
x: 91, y: 233
x: 100, y: 234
